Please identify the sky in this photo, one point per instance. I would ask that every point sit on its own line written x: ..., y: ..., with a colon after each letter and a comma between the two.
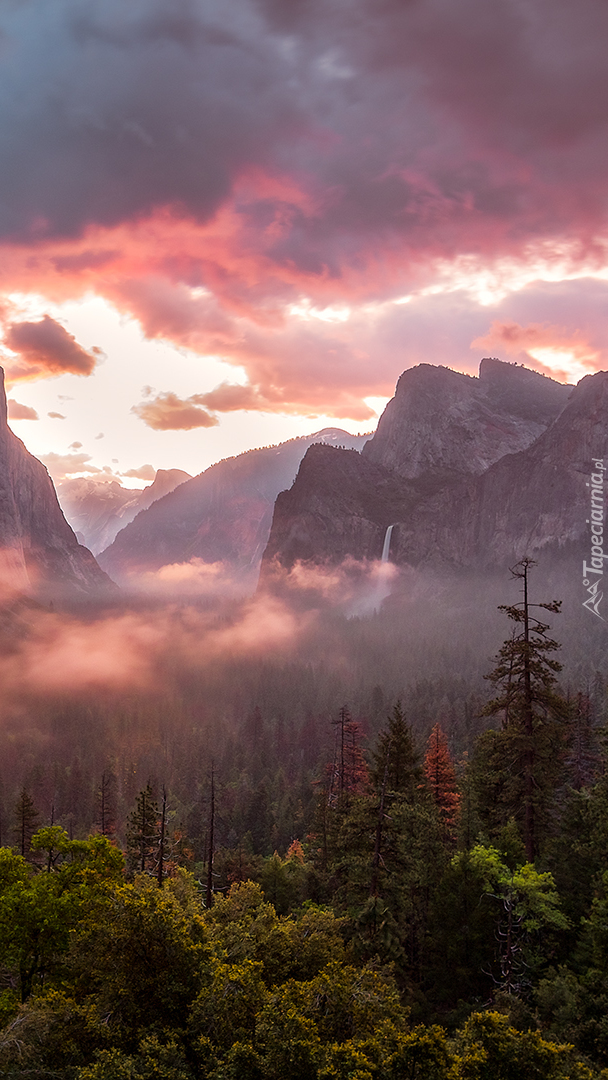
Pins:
x: 227, y: 223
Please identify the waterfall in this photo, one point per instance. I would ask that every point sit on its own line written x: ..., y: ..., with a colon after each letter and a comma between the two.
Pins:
x: 387, y: 543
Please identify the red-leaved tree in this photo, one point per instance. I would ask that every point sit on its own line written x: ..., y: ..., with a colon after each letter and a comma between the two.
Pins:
x: 441, y: 778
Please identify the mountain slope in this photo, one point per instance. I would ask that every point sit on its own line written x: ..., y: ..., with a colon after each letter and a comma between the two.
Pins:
x: 442, y: 424
x: 222, y: 515
x: 439, y: 431
x: 39, y: 553
x: 98, y: 511
x: 527, y: 503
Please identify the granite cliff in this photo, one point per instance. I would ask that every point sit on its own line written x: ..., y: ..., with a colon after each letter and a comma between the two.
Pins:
x: 443, y: 441
x: 39, y: 553
x: 533, y: 502
x: 442, y: 425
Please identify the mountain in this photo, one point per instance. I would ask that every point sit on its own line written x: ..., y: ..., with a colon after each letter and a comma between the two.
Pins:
x: 97, y: 511
x: 222, y: 515
x: 533, y: 502
x: 441, y: 424
x: 439, y: 432
x: 39, y: 553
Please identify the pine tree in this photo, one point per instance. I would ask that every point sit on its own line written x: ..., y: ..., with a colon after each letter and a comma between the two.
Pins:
x: 26, y: 821
x: 349, y: 773
x: 441, y: 779
x: 106, y: 804
x: 396, y: 753
x: 143, y: 834
x: 530, y: 746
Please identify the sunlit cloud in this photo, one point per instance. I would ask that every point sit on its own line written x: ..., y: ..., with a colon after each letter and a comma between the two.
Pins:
x: 562, y: 353
x: 61, y: 466
x: 168, y: 412
x: 213, y: 177
x: 44, y: 348
x: 17, y: 411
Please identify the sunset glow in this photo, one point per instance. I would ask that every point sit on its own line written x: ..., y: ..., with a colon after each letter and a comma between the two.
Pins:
x: 240, y: 224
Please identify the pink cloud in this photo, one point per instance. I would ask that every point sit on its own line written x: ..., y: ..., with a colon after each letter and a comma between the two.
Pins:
x: 537, y: 345
x: 144, y: 472
x: 216, y: 180
x: 17, y: 411
x: 61, y: 466
x: 168, y: 412
x: 45, y: 348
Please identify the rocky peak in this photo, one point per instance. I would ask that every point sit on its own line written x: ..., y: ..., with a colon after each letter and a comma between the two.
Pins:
x: 526, y: 503
x: 442, y: 424
x: 39, y: 553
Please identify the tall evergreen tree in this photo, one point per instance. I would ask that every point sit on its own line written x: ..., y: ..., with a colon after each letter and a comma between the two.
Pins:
x: 529, y: 748
x: 106, y: 804
x: 348, y: 774
x: 396, y: 754
x: 143, y: 834
x: 26, y: 821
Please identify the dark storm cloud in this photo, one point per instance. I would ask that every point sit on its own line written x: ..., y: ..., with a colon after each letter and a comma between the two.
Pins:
x: 439, y: 126
x: 110, y: 110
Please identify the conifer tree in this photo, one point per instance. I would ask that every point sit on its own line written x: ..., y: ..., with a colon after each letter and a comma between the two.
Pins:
x: 396, y: 753
x: 143, y: 834
x: 106, y: 804
x: 348, y: 774
x: 441, y: 779
x: 26, y: 822
x: 530, y: 747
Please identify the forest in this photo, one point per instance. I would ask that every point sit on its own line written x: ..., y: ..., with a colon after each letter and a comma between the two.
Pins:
x: 412, y: 883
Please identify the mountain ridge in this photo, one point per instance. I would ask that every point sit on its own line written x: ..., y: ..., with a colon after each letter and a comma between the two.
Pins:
x: 39, y: 552
x: 431, y: 449
x: 222, y: 515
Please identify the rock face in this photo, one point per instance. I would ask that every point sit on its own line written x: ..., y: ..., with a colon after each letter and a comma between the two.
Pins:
x: 39, y: 553
x: 443, y: 467
x: 339, y: 505
x: 222, y: 515
x: 98, y: 511
x: 442, y: 425
x: 529, y: 503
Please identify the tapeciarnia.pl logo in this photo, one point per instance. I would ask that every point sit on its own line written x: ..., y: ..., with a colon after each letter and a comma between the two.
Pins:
x: 593, y: 571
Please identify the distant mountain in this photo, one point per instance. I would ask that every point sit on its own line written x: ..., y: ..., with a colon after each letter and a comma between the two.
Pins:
x: 440, y: 431
x: 98, y: 511
x: 39, y: 553
x: 222, y: 515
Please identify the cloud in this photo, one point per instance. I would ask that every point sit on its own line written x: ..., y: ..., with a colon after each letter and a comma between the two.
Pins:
x: 355, y: 586
x: 61, y: 466
x: 168, y: 412
x: 75, y: 446
x: 56, y: 416
x: 231, y: 397
x: 561, y: 352
x: 17, y: 411
x: 236, y: 176
x: 401, y: 123
x: 144, y: 472
x: 142, y: 650
x: 194, y: 579
x: 45, y: 348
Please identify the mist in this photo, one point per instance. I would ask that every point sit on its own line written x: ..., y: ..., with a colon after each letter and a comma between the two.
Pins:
x: 156, y: 685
